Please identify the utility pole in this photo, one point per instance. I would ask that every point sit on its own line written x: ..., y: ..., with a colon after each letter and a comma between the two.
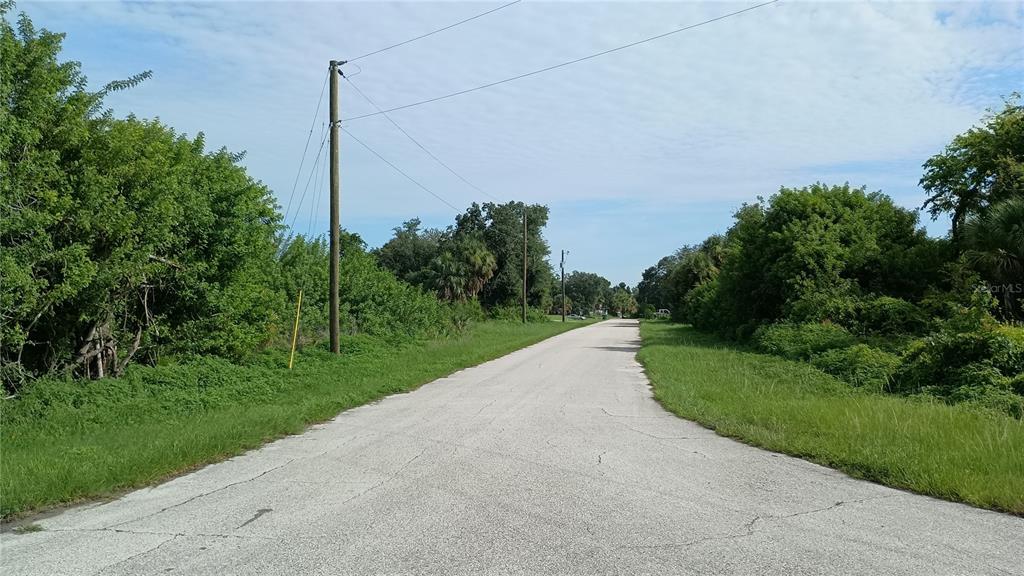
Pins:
x: 335, y: 209
x: 524, y: 263
x: 563, y: 285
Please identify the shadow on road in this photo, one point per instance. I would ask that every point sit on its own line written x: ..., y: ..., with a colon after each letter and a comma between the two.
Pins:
x: 632, y: 348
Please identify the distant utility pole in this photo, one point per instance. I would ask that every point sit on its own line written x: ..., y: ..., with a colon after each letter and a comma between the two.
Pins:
x: 524, y: 263
x: 335, y: 209
x: 563, y: 284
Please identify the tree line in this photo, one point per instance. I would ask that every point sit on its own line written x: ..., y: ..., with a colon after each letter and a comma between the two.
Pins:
x: 844, y: 271
x: 123, y: 241
x: 479, y: 260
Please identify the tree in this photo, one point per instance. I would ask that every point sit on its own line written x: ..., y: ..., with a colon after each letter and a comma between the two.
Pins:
x: 450, y: 277
x: 588, y: 290
x: 809, y: 253
x: 654, y: 287
x: 501, y: 226
x: 480, y: 265
x: 995, y: 247
x: 410, y: 253
x: 979, y: 169
x: 622, y: 301
x: 695, y: 265
x: 118, y: 238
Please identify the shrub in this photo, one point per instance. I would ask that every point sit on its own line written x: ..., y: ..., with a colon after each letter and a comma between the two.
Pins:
x: 860, y: 365
x: 466, y: 312
x: 513, y: 313
x: 887, y: 315
x: 801, y: 341
x: 745, y: 332
x: 982, y: 385
x: 647, y: 311
x: 1014, y: 333
x: 818, y: 307
x: 374, y: 302
x: 960, y: 365
x: 698, y: 307
x: 1017, y: 384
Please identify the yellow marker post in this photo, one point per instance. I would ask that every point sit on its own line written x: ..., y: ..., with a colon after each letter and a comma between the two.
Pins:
x: 295, y: 331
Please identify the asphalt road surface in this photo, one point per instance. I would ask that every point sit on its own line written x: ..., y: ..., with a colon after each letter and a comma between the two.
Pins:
x: 551, y: 460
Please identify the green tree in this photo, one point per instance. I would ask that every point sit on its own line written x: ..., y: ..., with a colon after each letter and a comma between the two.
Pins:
x: 450, y: 277
x: 501, y: 226
x: 410, y: 253
x: 480, y: 265
x: 809, y: 253
x: 119, y: 239
x: 995, y: 247
x: 654, y: 287
x: 587, y: 290
x: 622, y: 300
x: 979, y: 168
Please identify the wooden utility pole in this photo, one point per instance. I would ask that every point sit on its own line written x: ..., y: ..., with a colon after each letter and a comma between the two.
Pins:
x: 563, y: 285
x: 335, y: 210
x: 524, y: 263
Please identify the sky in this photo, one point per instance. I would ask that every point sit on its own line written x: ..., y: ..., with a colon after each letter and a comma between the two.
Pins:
x: 636, y: 153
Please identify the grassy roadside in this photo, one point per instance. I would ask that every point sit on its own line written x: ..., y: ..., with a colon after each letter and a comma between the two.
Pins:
x: 945, y: 451
x: 67, y: 441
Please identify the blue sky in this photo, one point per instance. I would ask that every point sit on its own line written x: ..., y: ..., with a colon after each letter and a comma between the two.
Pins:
x: 636, y: 153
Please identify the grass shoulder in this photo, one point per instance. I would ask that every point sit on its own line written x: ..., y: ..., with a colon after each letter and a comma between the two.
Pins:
x: 66, y: 441
x: 951, y: 452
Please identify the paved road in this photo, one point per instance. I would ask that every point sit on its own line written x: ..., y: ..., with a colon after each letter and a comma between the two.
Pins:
x: 551, y: 460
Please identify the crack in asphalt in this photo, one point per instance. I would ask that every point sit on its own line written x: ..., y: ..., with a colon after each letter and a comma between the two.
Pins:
x: 393, y: 476
x: 655, y: 436
x: 613, y: 415
x: 134, y: 556
x: 204, y: 494
x: 748, y: 529
x: 175, y: 534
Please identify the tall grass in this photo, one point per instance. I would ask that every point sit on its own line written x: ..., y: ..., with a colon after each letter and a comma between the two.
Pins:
x: 64, y: 441
x: 950, y: 452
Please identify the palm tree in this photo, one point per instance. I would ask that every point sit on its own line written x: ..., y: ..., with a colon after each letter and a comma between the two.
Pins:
x: 450, y: 277
x: 995, y: 247
x: 480, y: 264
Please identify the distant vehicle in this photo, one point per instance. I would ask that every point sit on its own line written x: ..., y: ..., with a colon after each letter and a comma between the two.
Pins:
x: 663, y: 313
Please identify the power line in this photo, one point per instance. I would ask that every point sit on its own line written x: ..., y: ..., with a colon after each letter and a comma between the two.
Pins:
x: 416, y: 142
x: 306, y: 147
x: 435, y: 31
x: 568, y: 63
x: 321, y: 184
x: 302, y: 199
x: 399, y: 170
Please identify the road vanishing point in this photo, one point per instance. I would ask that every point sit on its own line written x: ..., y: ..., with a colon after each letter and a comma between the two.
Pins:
x: 554, y: 459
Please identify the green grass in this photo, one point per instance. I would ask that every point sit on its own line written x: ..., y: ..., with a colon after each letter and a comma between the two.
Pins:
x: 65, y: 441
x: 949, y: 452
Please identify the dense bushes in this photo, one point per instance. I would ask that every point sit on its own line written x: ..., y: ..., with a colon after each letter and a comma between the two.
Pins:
x: 846, y: 279
x: 860, y: 365
x: 515, y: 314
x: 888, y: 315
x: 121, y: 239
x: 945, y: 362
x: 801, y: 341
x: 982, y: 365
